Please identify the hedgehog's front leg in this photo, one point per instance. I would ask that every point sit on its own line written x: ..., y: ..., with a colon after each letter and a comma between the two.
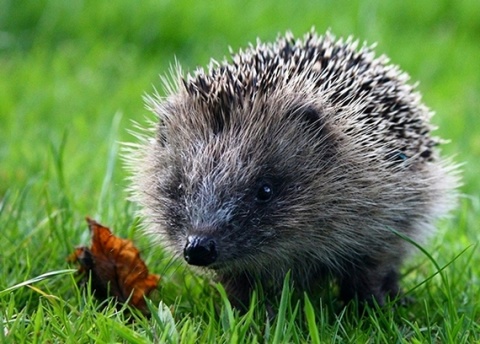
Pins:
x: 239, y: 289
x: 372, y: 284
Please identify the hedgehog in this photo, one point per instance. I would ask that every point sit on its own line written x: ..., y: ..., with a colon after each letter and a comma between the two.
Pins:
x: 309, y: 156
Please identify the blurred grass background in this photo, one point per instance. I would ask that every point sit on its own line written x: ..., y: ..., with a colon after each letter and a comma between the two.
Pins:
x: 73, y: 74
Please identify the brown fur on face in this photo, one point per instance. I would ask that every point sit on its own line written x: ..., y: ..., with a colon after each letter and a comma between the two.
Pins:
x: 302, y: 155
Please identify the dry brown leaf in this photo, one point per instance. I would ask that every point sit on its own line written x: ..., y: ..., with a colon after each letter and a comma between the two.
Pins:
x: 115, y: 267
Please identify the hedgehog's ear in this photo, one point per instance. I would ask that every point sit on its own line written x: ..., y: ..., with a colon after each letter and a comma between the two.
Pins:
x: 308, y: 115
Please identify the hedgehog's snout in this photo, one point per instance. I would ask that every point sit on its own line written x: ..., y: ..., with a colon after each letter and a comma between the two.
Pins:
x: 200, y: 250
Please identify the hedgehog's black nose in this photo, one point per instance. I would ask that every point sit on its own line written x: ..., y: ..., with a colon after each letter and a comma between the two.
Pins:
x: 200, y: 250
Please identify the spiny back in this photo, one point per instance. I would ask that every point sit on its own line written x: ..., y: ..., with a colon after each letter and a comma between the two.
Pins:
x: 374, y: 94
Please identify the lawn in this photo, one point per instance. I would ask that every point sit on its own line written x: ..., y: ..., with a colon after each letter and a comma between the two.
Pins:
x: 72, y: 78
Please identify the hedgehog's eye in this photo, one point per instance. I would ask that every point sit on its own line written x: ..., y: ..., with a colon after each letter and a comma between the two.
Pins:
x: 264, y: 193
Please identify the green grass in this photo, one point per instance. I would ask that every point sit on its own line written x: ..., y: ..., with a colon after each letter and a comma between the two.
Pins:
x: 72, y: 77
